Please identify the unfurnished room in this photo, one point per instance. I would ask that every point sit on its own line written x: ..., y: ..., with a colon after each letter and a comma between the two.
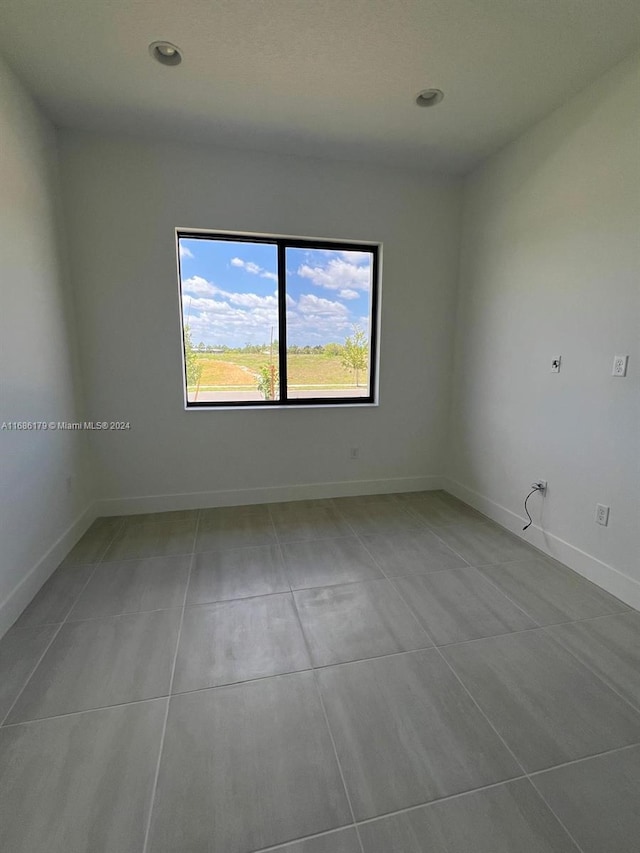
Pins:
x: 320, y: 426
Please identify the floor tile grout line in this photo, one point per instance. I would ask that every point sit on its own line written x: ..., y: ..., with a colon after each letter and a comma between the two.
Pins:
x: 579, y: 848
x: 468, y: 692
x: 376, y: 562
x: 462, y: 794
x: 537, y: 554
x: 614, y: 615
x: 477, y: 704
x: 257, y: 678
x: 592, y: 670
x: 98, y: 564
x: 535, y: 629
x: 282, y: 845
x: 445, y: 799
x: 420, y: 625
x: 390, y: 578
x: 215, y: 687
x: 482, y: 574
x: 429, y: 635
x: 525, y: 775
x: 504, y: 595
x: 85, y: 711
x: 553, y: 812
x: 138, y: 559
x: 145, y: 557
x: 585, y: 758
x: 211, y: 687
x: 154, y: 787
x: 491, y: 582
x: 123, y: 613
x: 328, y: 725
x: 399, y: 596
x: 299, y: 672
x: 283, y: 562
x: 313, y: 540
x: 50, y: 643
x: 29, y: 677
x: 510, y: 751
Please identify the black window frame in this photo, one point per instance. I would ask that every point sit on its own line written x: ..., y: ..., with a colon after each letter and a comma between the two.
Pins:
x: 283, y: 243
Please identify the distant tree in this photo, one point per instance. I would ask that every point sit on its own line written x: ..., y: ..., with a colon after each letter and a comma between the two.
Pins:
x: 355, y: 352
x: 333, y: 349
x: 194, y: 365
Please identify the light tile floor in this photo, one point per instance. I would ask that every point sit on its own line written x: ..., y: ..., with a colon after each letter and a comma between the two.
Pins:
x: 385, y: 674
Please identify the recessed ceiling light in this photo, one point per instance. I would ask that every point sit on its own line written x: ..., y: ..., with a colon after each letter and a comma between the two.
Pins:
x: 429, y: 97
x: 165, y: 52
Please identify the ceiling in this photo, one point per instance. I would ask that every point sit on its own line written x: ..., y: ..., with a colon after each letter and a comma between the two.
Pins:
x: 333, y: 78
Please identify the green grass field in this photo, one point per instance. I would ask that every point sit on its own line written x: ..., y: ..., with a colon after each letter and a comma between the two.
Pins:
x: 238, y: 370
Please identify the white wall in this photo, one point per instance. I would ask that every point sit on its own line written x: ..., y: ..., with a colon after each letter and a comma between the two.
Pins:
x: 40, y: 513
x: 550, y: 266
x: 124, y: 197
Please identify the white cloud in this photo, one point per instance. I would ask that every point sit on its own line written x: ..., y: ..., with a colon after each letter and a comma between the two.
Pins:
x: 253, y: 268
x: 225, y: 323
x: 184, y: 252
x: 356, y: 257
x: 250, y: 300
x: 311, y: 304
x: 197, y: 284
x: 203, y: 304
x: 338, y: 274
x: 232, y: 318
x: 221, y: 316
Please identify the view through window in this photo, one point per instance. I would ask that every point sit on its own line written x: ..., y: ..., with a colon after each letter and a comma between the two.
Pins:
x: 277, y: 321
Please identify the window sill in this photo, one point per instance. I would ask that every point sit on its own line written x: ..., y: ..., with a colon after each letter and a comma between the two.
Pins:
x: 281, y: 408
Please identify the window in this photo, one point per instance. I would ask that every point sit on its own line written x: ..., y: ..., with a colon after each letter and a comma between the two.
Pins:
x: 275, y: 321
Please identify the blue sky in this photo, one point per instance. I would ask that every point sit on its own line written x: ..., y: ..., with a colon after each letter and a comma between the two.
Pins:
x: 229, y: 292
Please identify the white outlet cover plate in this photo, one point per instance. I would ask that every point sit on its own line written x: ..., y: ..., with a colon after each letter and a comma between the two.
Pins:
x: 620, y: 363
x: 555, y: 364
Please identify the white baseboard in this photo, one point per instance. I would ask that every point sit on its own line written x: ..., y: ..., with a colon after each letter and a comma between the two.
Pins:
x: 603, y: 575
x: 267, y: 494
x: 18, y: 599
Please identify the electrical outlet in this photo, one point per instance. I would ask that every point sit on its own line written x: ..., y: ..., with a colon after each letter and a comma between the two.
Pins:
x: 602, y: 514
x: 555, y: 364
x: 620, y: 363
x: 541, y: 485
x: 354, y: 453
